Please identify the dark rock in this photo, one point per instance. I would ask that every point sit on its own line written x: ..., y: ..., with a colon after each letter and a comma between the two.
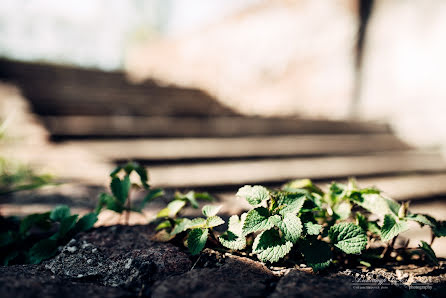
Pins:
x: 236, y: 277
x: 31, y: 281
x: 119, y: 256
x: 301, y: 284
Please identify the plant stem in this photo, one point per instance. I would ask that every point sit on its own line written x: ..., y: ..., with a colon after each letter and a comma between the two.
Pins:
x: 432, y: 239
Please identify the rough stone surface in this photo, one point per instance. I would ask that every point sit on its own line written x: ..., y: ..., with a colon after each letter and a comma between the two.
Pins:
x: 123, y: 261
x: 119, y: 256
x: 31, y: 281
x: 234, y: 277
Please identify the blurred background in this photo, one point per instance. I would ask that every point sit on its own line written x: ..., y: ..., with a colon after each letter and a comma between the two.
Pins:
x: 214, y: 94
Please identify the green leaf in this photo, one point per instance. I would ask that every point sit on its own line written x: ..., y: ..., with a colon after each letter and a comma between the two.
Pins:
x: 120, y: 189
x: 163, y: 225
x: 214, y: 221
x: 210, y: 210
x: 440, y: 229
x: 379, y: 205
x: 291, y: 227
x: 290, y: 202
x: 421, y: 219
x: 233, y: 238
x: 6, y: 238
x: 115, y: 171
x: 172, y: 209
x: 38, y: 219
x: 348, y: 237
x: 86, y: 222
x: 197, y: 223
x: 342, y: 210
x: 181, y: 226
x: 312, y: 228
x: 317, y: 254
x: 253, y: 194
x: 392, y: 227
x: 269, y: 246
x: 143, y: 175
x: 60, y: 212
x: 203, y: 196
x: 151, y: 195
x: 257, y: 219
x: 197, y: 240
x: 42, y: 250
x: 66, y: 225
x: 366, y: 225
x: 429, y: 252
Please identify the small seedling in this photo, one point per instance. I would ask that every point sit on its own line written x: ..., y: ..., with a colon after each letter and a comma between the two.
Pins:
x: 121, y: 187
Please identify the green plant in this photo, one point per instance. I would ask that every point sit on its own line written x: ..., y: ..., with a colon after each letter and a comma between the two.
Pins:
x: 303, y: 223
x: 15, y: 176
x: 120, y: 198
x: 38, y: 236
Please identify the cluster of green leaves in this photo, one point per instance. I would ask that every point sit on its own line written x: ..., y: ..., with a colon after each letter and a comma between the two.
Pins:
x: 38, y: 236
x: 121, y: 186
x: 15, y: 176
x: 303, y: 221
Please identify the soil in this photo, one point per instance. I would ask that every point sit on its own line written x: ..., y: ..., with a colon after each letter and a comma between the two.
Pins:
x: 123, y: 261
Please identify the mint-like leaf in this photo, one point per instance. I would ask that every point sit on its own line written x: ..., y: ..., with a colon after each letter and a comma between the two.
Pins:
x: 233, y: 238
x: 291, y: 227
x: 422, y: 219
x: 317, y: 254
x: 379, y: 205
x: 348, y: 237
x: 429, y: 252
x: 269, y: 246
x: 214, y: 221
x: 392, y: 227
x: 253, y: 194
x: 86, y: 222
x: 197, y: 240
x: 312, y: 228
x: 290, y: 202
x: 210, y: 210
x: 257, y: 219
x: 172, y: 209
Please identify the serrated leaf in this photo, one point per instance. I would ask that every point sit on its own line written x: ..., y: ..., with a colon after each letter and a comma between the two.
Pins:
x: 290, y: 202
x: 291, y: 227
x: 366, y: 225
x: 233, y: 238
x: 196, y: 223
x: 269, y: 246
x: 312, y: 228
x: 214, y: 221
x: 42, y: 250
x: 379, y: 205
x: 253, y: 194
x: 60, y: 212
x: 257, y: 219
x: 421, y: 219
x: 348, y: 237
x: 392, y: 227
x: 86, y: 222
x: 317, y: 254
x: 210, y: 210
x: 197, y: 240
x: 429, y: 252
